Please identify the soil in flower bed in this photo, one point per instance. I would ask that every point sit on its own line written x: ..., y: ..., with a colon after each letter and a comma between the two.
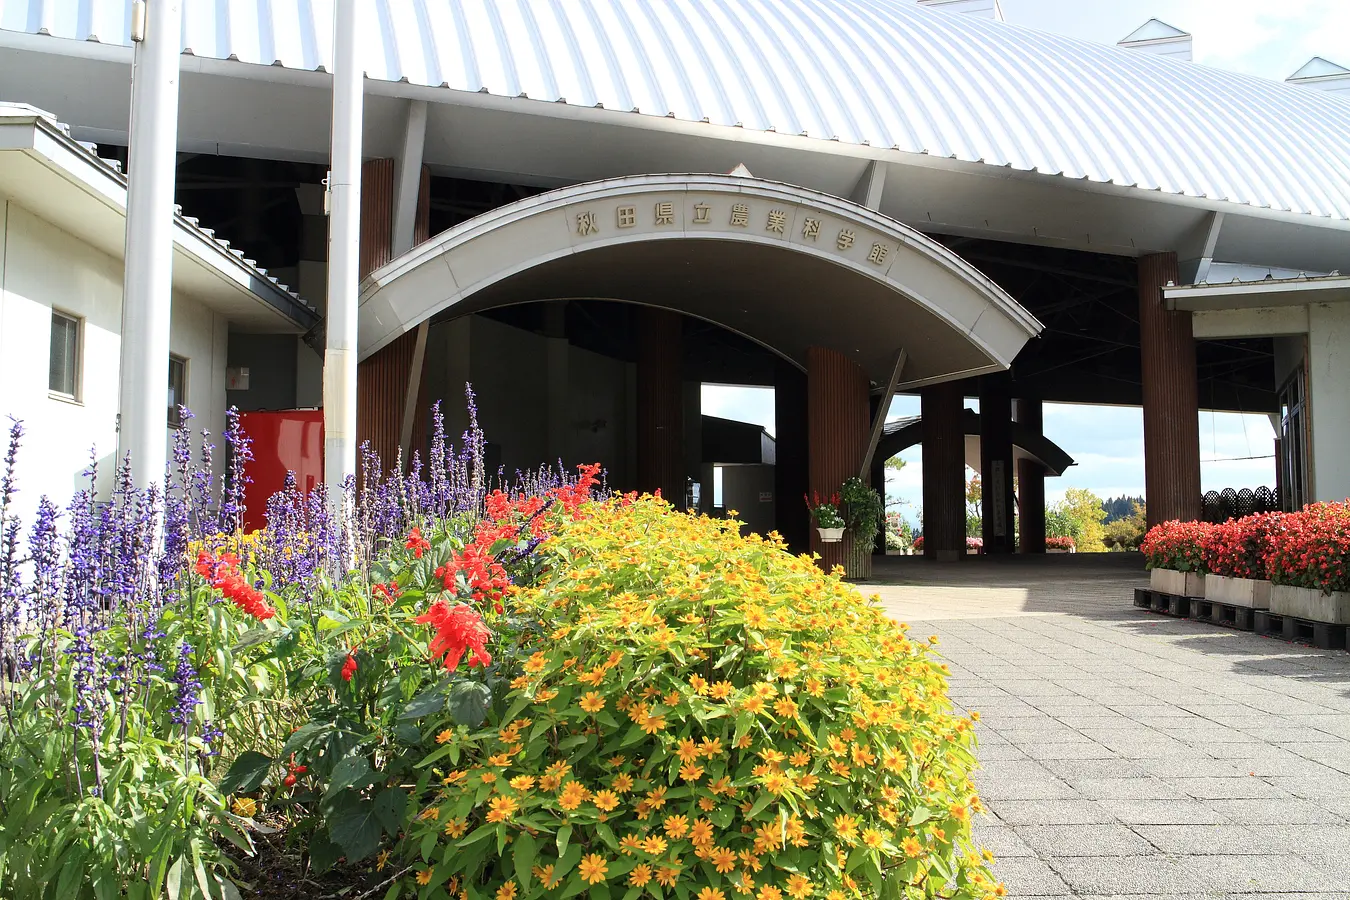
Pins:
x: 276, y: 872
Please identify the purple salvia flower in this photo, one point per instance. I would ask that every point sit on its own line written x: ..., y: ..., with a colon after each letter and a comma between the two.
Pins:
x: 189, y: 689
x: 239, y: 452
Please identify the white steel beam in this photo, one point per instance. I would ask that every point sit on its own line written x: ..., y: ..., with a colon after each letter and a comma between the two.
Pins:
x: 344, y: 248
x: 408, y: 177
x: 147, y: 286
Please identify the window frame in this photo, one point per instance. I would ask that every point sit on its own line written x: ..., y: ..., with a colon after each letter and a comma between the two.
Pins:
x: 77, y: 363
x: 171, y: 413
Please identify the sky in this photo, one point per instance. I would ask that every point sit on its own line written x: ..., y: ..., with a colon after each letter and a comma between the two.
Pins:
x: 1256, y: 37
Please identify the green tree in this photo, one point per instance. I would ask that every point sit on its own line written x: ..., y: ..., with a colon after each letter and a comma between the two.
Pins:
x: 1127, y: 533
x: 974, y: 515
x: 1081, y: 514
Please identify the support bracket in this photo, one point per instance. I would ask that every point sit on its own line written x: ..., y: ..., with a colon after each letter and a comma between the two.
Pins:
x: 879, y: 420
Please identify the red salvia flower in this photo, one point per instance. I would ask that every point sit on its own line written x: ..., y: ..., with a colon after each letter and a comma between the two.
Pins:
x: 416, y: 543
x: 348, y: 667
x: 389, y: 591
x: 222, y: 573
x: 458, y: 629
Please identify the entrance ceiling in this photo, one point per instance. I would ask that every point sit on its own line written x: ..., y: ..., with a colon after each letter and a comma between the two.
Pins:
x: 784, y: 266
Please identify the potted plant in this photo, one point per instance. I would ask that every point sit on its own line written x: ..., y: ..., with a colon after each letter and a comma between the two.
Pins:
x: 1309, y: 564
x: 1060, y: 545
x: 1175, y: 558
x: 829, y: 521
x: 974, y: 546
x: 1236, y: 556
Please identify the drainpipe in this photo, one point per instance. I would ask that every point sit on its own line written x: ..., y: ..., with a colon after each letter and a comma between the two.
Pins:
x: 147, y: 280
x: 344, y: 247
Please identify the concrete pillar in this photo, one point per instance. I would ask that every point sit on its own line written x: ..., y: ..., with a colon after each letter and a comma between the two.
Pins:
x: 944, y: 472
x: 996, y: 463
x: 1030, y: 485
x: 1171, y: 398
x: 660, y: 404
x: 791, y: 470
x: 838, y: 419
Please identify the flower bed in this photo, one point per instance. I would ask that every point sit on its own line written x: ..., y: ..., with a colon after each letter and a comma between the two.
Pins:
x: 1060, y: 545
x: 1175, y: 556
x: 510, y: 694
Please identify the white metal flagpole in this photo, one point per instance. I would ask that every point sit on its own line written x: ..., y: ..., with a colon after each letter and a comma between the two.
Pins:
x: 147, y: 287
x: 344, y: 244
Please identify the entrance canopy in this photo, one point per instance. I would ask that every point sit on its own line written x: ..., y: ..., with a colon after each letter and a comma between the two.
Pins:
x: 784, y: 266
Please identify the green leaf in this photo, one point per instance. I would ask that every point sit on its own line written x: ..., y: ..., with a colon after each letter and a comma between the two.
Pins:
x: 921, y: 815
x: 247, y: 773
x: 323, y: 852
x: 260, y: 635
x: 564, y: 835
x: 356, y: 828
x: 526, y: 849
x: 351, y: 771
x: 390, y: 805
x: 424, y: 704
x: 468, y: 703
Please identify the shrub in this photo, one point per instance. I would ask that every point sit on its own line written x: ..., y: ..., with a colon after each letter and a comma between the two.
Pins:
x: 1310, y: 549
x: 975, y: 543
x: 1059, y: 543
x: 1176, y: 545
x: 1241, y: 548
x: 703, y: 715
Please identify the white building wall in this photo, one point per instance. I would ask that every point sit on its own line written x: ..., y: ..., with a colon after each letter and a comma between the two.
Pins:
x: 43, y: 268
x: 1329, y: 399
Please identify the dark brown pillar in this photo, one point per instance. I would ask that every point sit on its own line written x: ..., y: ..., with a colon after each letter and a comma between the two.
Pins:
x: 944, y: 473
x: 1171, y: 398
x: 839, y: 421
x: 660, y: 404
x: 996, y: 464
x: 383, y: 379
x: 1030, y: 485
x: 879, y: 483
x: 791, y: 473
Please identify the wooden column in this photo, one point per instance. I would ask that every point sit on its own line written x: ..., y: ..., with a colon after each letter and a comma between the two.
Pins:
x: 383, y: 379
x: 1030, y: 485
x: 660, y: 404
x: 1171, y: 398
x: 996, y: 464
x: 791, y: 473
x: 838, y: 420
x: 944, y: 473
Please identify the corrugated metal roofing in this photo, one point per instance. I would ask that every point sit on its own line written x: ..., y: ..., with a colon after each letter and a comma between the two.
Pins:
x: 882, y: 72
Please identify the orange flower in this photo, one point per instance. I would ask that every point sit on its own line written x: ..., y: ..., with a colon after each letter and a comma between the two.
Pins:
x: 593, y: 868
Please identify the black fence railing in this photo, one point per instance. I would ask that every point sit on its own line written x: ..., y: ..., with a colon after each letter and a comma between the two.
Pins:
x: 1220, y: 506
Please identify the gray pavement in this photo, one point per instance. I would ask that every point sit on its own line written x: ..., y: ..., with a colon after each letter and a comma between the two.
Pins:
x: 1128, y: 755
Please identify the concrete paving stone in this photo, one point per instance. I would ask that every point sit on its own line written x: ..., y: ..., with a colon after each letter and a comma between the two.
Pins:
x: 1084, y: 840
x: 1202, y: 840
x: 1001, y: 840
x: 1264, y: 812
x: 1311, y: 788
x: 1240, y: 787
x: 1338, y: 806
x: 1028, y: 876
x: 1192, y: 765
x: 1269, y: 874
x: 1304, y: 840
x: 1139, y: 788
x: 1001, y: 752
x: 1048, y: 788
x: 1048, y: 752
x: 1289, y: 733
x: 1166, y: 812
x: 1071, y: 769
x: 1152, y: 876
x: 1051, y: 812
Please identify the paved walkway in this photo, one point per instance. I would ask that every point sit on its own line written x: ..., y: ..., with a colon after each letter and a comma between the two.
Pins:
x: 1129, y: 755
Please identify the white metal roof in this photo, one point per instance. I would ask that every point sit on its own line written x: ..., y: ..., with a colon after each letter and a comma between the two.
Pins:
x: 888, y: 73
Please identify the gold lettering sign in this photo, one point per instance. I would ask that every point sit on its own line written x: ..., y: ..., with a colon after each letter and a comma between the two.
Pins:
x: 627, y: 216
x: 702, y: 214
x: 665, y: 213
x: 586, y: 223
x: 811, y: 228
x: 845, y: 239
x: 878, y: 254
x: 740, y: 215
x: 777, y: 221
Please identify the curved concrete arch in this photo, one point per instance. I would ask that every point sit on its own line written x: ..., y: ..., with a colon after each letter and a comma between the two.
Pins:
x: 783, y: 265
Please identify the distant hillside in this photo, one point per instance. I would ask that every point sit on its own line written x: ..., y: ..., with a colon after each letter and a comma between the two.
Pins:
x: 1120, y: 507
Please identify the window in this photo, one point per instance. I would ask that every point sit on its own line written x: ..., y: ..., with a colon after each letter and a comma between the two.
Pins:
x: 1293, y: 462
x: 63, y: 371
x: 177, y: 389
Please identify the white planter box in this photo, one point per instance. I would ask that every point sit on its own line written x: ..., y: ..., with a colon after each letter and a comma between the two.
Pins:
x: 1052, y: 550
x: 1310, y: 604
x: 1178, y: 584
x: 1247, y: 592
x: 830, y: 535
